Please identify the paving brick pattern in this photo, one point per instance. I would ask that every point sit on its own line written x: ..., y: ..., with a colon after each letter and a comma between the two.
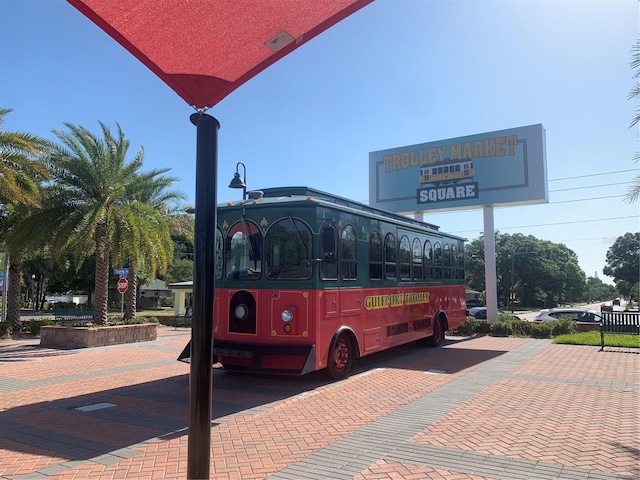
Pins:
x: 481, y: 408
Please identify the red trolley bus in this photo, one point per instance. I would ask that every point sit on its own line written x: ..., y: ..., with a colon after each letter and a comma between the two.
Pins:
x: 306, y: 280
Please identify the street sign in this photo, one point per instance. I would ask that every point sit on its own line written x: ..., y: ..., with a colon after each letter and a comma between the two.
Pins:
x: 122, y: 272
x: 123, y: 284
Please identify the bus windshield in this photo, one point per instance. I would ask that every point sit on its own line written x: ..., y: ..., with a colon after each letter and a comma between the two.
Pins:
x: 243, y: 251
x: 289, y: 249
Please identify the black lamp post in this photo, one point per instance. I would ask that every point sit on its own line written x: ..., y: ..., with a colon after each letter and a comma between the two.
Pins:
x: 33, y: 290
x: 238, y: 182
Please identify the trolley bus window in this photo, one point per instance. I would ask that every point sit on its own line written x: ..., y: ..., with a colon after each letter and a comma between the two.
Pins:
x: 328, y: 241
x: 454, y: 261
x: 218, y: 253
x: 243, y: 248
x: 416, y: 260
x: 348, y: 253
x: 289, y: 250
x: 460, y: 263
x: 375, y: 256
x: 447, y: 260
x: 428, y: 260
x: 405, y: 258
x: 390, y: 256
x: 437, y: 261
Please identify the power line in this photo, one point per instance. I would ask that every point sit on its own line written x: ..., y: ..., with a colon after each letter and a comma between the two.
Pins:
x: 593, y: 175
x: 592, y: 186
x: 552, y: 224
x: 586, y: 199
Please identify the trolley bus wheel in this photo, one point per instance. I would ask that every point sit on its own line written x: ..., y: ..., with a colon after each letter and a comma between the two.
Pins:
x: 340, y: 357
x: 438, y: 335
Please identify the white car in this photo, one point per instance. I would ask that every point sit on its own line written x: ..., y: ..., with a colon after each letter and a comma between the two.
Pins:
x: 576, y: 313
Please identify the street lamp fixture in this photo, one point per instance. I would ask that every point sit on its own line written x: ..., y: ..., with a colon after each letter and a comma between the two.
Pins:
x: 238, y: 182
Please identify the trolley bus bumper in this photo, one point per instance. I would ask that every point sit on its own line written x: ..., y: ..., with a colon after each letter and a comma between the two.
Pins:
x: 275, y: 359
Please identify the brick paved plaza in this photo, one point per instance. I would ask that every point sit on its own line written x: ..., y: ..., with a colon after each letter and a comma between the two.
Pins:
x: 479, y: 408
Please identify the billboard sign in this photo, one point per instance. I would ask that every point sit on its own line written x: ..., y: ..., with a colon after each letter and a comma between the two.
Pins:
x: 506, y: 167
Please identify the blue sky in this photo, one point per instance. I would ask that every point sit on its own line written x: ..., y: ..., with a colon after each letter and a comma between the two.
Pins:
x: 398, y: 72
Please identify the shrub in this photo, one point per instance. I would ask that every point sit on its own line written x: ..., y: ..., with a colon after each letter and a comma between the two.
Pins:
x: 142, y: 319
x: 563, y: 326
x: 507, y: 325
x: 33, y: 327
x: 132, y: 321
x: 541, y: 329
x: 5, y: 329
x: 469, y: 327
x: 483, y: 327
x: 501, y: 328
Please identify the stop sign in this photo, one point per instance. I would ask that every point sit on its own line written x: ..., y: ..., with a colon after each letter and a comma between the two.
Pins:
x: 123, y: 284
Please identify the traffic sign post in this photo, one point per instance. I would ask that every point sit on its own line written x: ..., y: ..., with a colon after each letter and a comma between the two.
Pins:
x: 123, y: 285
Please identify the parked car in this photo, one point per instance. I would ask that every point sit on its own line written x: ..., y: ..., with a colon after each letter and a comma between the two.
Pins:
x: 480, y: 313
x: 474, y: 302
x: 576, y: 313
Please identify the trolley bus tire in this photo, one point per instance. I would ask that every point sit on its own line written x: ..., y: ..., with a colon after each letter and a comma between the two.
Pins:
x: 437, y: 338
x: 340, y: 358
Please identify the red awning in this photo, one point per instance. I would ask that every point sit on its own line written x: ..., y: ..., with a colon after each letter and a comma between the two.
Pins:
x: 205, y: 49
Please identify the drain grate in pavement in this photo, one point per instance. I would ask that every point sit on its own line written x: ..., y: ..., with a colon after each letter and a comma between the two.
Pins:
x: 95, y: 406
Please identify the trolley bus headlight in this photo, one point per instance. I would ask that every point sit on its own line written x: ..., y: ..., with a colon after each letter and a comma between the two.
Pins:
x: 241, y: 312
x: 286, y: 315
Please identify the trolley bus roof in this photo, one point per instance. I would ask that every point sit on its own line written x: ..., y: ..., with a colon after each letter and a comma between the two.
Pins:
x: 300, y: 194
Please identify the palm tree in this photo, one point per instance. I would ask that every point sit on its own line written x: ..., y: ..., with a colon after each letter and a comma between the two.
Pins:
x: 21, y: 176
x: 152, y: 249
x: 95, y: 204
x: 634, y: 190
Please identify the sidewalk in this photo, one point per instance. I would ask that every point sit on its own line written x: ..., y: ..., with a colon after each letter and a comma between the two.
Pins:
x: 481, y: 408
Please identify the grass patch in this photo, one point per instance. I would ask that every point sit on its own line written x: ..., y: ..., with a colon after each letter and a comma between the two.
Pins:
x: 593, y: 338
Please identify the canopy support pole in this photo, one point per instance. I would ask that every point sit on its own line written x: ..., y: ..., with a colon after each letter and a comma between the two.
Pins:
x: 201, y: 372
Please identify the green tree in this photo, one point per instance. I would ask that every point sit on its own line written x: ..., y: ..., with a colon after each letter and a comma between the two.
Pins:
x: 21, y: 174
x: 623, y: 262
x: 95, y: 204
x: 21, y: 177
x: 598, y: 291
x: 529, y: 268
x: 151, y: 249
x: 181, y: 270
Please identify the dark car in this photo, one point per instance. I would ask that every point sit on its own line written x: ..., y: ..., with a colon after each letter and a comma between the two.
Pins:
x: 480, y: 313
x: 474, y: 302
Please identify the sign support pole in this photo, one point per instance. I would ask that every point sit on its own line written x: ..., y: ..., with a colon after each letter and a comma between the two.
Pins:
x: 490, y: 264
x: 201, y: 369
